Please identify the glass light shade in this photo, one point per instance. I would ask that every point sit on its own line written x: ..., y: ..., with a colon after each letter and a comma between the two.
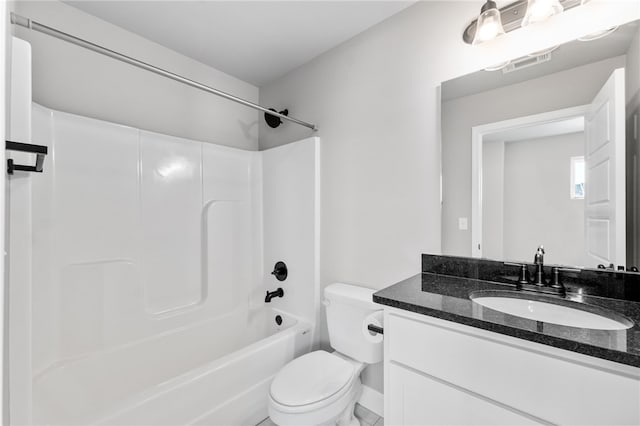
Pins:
x: 489, y: 25
x: 497, y: 67
x: 598, y: 34
x: 544, y: 51
x: 541, y: 10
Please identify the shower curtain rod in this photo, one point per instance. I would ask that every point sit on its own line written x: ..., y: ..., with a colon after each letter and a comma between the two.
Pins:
x: 36, y: 26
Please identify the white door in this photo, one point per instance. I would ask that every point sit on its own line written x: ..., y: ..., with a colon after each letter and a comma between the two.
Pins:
x: 605, y: 175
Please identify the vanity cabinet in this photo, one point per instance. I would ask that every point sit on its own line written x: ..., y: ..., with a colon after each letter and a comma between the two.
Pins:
x: 443, y: 373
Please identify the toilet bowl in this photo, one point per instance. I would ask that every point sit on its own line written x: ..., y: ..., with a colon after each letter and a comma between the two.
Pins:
x: 316, y: 389
x: 322, y: 388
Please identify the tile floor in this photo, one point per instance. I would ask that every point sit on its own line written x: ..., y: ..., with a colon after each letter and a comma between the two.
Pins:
x: 366, y: 417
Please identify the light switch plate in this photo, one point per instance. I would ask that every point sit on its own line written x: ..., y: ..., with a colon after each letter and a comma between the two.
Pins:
x: 463, y: 223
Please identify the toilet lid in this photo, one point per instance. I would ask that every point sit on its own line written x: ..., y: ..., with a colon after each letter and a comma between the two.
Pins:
x: 311, y: 378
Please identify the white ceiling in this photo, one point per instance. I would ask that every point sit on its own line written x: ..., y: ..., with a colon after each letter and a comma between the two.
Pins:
x: 255, y: 41
x: 567, y: 56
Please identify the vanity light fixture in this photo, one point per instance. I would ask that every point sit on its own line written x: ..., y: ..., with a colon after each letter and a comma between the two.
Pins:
x: 544, y: 52
x: 512, y: 16
x: 541, y: 10
x: 598, y: 34
x: 489, y: 23
x: 498, y: 66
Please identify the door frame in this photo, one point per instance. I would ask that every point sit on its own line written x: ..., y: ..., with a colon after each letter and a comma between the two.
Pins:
x: 478, y: 133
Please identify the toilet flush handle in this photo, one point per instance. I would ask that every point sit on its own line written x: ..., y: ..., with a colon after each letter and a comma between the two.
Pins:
x: 375, y: 329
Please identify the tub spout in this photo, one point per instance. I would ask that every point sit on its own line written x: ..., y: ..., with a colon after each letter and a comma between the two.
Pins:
x: 271, y: 294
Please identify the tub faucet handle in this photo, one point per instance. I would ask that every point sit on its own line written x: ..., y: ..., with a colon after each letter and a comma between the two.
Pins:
x: 280, y: 271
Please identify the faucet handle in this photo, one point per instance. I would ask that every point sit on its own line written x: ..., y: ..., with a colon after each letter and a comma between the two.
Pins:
x: 555, y: 277
x: 524, y: 275
x: 524, y: 272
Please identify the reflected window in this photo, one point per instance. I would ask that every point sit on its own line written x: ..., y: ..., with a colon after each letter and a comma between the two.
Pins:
x: 577, y: 177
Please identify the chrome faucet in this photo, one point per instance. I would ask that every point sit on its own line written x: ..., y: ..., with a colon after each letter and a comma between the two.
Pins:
x: 538, y: 260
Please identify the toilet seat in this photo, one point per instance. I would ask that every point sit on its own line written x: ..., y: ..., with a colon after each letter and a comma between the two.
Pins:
x: 312, y: 381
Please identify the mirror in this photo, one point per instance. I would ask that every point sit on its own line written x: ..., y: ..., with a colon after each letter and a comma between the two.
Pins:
x: 544, y: 151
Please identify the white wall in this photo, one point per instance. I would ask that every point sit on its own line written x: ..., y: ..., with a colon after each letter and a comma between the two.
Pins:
x: 72, y: 79
x: 537, y: 206
x: 632, y: 74
x: 19, y: 237
x: 493, y: 199
x: 5, y: 61
x: 525, y: 200
x: 632, y: 88
x: 459, y: 115
x: 375, y: 100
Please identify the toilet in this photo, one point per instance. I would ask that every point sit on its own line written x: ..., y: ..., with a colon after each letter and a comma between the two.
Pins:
x: 322, y: 388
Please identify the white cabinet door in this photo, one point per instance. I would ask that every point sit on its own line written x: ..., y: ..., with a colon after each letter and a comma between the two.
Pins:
x: 418, y: 399
x: 439, y: 372
x: 605, y: 175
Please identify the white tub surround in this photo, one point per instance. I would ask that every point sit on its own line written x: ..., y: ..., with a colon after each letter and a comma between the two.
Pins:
x: 140, y: 256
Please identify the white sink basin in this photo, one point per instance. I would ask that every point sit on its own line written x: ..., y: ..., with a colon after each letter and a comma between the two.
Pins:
x: 551, y: 310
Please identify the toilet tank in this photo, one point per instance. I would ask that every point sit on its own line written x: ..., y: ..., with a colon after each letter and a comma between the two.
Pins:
x: 349, y: 309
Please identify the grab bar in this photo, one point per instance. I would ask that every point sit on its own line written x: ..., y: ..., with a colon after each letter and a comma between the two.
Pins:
x: 40, y: 151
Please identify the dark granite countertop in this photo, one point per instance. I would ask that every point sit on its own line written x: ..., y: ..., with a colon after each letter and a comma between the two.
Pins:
x: 447, y: 297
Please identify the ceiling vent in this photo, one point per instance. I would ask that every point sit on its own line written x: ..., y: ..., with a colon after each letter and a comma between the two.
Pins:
x: 525, y: 62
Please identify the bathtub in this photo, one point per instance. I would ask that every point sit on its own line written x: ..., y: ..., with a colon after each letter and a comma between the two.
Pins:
x: 214, y: 372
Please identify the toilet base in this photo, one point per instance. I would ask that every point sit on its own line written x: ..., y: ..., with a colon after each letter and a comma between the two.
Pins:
x: 348, y: 417
x: 338, y: 413
x: 354, y: 422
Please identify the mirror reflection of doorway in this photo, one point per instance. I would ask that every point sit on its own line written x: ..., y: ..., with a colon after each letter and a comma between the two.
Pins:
x: 526, y: 190
x: 556, y: 179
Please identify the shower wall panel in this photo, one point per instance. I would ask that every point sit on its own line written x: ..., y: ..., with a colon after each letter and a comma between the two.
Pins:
x: 94, y: 216
x: 170, y: 203
x: 134, y: 234
x: 229, y: 208
x: 291, y: 190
